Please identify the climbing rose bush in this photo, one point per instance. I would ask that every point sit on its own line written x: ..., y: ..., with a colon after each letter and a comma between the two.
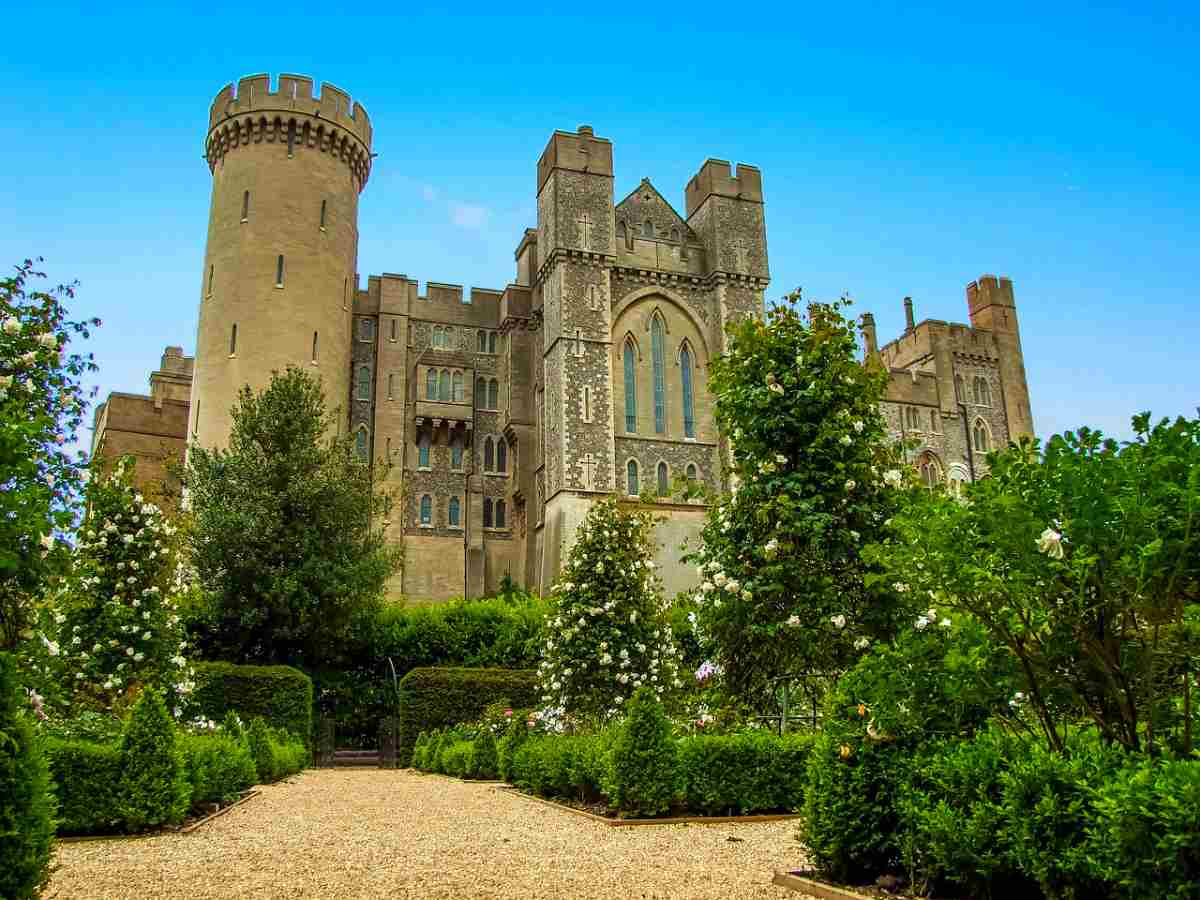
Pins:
x: 782, y: 588
x: 115, y: 617
x: 607, y: 630
x: 42, y: 404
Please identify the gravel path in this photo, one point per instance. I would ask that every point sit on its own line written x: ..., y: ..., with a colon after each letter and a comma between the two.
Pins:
x: 333, y: 833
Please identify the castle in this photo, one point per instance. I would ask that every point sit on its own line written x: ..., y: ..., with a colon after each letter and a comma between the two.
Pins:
x: 505, y: 413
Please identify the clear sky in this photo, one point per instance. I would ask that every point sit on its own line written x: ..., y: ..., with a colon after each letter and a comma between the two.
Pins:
x: 905, y: 149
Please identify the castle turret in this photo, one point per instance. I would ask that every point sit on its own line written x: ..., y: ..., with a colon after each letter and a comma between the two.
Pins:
x: 279, y: 266
x: 992, y: 308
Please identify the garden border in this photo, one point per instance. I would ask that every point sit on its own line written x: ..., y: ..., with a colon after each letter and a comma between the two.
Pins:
x: 676, y: 820
x: 787, y: 878
x: 188, y: 829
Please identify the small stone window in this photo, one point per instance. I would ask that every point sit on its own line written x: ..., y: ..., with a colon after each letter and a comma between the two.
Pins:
x: 452, y: 513
x: 481, y: 392
x: 587, y: 404
x: 314, y: 349
x: 456, y: 387
x: 391, y: 385
x: 981, y: 436
x: 691, y: 472
x: 500, y: 514
x: 426, y: 510
x: 423, y: 453
x: 444, y: 386
x: 456, y: 455
x: 360, y: 444
x: 493, y: 394
x: 395, y: 329
x: 501, y: 455
x: 366, y: 330
x: 489, y: 455
x: 431, y: 384
x: 245, y: 206
x: 210, y: 279
x: 983, y: 393
x: 279, y: 271
x: 323, y: 204
x: 363, y: 383
x: 664, y: 480
x: 233, y: 340
x: 487, y: 512
x: 492, y: 342
x: 631, y: 478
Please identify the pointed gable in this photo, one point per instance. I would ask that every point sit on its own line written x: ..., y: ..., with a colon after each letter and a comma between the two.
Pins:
x: 645, y: 205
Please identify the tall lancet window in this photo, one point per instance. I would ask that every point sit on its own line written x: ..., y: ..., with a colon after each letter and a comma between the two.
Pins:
x: 659, y: 357
x: 689, y: 406
x: 630, y: 388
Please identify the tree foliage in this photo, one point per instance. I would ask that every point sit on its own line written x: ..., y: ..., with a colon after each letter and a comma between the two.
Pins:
x: 783, y: 587
x: 42, y: 403
x: 607, y: 630
x: 286, y: 539
x: 1084, y: 562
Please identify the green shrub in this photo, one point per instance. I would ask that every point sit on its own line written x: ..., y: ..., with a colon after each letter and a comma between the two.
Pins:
x: 26, y: 801
x: 438, y: 698
x: 280, y: 695
x: 743, y: 773
x: 153, y: 786
x: 455, y: 758
x: 1048, y: 809
x: 515, y: 734
x: 419, y: 748
x: 87, y: 779
x: 219, y: 767
x: 951, y: 807
x: 1145, y: 840
x: 556, y: 765
x: 644, y: 758
x: 258, y: 741
x: 483, y: 762
x: 276, y: 753
x: 433, y: 754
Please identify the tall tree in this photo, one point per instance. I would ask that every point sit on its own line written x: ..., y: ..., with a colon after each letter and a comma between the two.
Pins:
x: 286, y: 536
x: 782, y: 589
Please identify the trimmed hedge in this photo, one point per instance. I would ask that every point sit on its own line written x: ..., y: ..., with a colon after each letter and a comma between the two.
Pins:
x: 437, y: 698
x: 556, y: 765
x: 218, y: 767
x: 275, y: 753
x: 87, y: 778
x: 281, y: 695
x: 738, y: 774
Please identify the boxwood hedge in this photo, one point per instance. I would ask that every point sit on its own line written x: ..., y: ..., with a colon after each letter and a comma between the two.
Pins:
x: 280, y: 695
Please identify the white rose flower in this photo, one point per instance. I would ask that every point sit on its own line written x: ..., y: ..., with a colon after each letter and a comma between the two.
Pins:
x: 858, y: 426
x: 793, y: 621
x: 893, y: 478
x: 846, y: 441
x: 862, y: 644
x: 1050, y: 543
x: 839, y: 621
x: 921, y: 624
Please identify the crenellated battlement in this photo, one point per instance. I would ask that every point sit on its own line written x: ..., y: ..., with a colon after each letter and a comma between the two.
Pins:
x: 988, y: 290
x: 329, y: 122
x: 578, y: 151
x: 716, y: 177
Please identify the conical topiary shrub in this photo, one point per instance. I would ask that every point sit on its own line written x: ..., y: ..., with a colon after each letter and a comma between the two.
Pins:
x: 26, y: 803
x: 483, y: 763
x: 154, y: 788
x: 643, y: 758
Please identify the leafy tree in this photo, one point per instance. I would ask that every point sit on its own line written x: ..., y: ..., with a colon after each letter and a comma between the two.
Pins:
x: 285, y: 540
x: 1084, y: 562
x: 41, y: 407
x: 607, y: 630
x: 783, y: 590
x: 26, y: 801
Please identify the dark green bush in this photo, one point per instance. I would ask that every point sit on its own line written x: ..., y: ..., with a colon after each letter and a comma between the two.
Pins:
x: 153, y: 787
x: 483, y: 762
x: 555, y: 765
x: 276, y: 753
x: 491, y: 632
x: 644, y: 758
x: 219, y: 767
x: 743, y: 773
x: 515, y: 734
x: 26, y: 801
x: 433, y: 754
x: 281, y: 695
x: 87, y: 781
x: 951, y: 808
x: 1145, y: 840
x: 455, y: 759
x: 418, y: 753
x: 438, y: 698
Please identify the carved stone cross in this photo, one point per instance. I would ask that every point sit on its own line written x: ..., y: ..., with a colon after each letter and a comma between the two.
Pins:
x: 585, y: 225
x: 589, y: 471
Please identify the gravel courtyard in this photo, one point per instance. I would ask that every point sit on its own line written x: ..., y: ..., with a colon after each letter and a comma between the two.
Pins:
x: 335, y: 833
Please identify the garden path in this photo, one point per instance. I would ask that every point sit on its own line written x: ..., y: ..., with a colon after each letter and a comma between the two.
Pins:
x: 332, y: 833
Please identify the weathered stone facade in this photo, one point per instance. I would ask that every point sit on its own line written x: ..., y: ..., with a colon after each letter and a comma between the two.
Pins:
x: 503, y: 414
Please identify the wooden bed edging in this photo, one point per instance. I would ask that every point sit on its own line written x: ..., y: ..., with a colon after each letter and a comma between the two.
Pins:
x: 814, y: 888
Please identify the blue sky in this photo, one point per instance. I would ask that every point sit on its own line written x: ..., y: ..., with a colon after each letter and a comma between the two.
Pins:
x: 905, y: 150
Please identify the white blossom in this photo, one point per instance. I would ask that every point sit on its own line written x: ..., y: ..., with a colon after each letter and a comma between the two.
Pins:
x: 1050, y: 543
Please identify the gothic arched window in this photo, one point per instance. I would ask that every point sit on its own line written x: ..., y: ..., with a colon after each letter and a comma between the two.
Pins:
x: 452, y: 511
x: 480, y: 393
x: 493, y: 394
x: 501, y: 455
x: 930, y: 469
x: 981, y: 438
x: 364, y: 383
x: 691, y: 472
x: 431, y: 384
x: 500, y: 512
x: 489, y: 457
x: 630, y: 355
x: 481, y: 342
x: 664, y: 483
x: 631, y: 478
x: 426, y: 509
x: 487, y: 512
x: 685, y: 372
x: 659, y: 357
x: 456, y: 453
x: 360, y: 444
x: 456, y: 385
x: 444, y: 385
x: 423, y: 453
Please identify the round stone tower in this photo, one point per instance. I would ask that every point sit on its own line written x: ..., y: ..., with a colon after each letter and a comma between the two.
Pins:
x: 279, y: 266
